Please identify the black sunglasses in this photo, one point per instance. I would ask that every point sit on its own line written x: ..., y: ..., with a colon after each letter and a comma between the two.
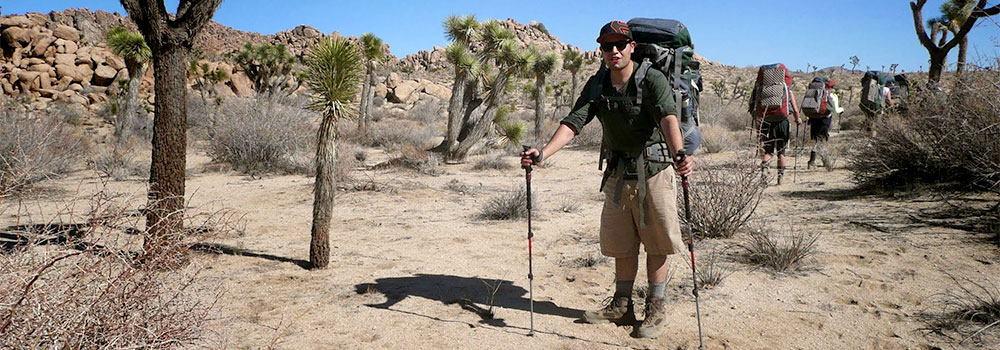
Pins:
x: 620, y: 45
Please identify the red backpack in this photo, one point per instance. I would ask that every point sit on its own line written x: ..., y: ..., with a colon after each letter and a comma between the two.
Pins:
x: 771, y: 94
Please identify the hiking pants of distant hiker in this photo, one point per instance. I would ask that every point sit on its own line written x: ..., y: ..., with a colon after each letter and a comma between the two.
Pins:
x: 869, y: 118
x: 774, y: 135
x: 819, y: 128
x: 621, y: 231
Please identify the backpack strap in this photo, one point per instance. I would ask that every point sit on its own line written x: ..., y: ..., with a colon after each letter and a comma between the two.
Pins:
x: 640, y: 76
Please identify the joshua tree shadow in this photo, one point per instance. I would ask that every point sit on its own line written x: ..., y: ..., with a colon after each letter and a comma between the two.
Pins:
x: 216, y: 248
x: 463, y: 291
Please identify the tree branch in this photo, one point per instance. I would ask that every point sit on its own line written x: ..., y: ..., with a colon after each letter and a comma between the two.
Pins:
x: 964, y: 30
x: 148, y: 16
x: 980, y: 12
x: 193, y: 14
x: 918, y: 24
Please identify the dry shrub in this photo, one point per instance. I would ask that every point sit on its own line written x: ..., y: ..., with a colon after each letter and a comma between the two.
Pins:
x: 33, y: 148
x: 723, y: 197
x: 715, y: 139
x: 460, y: 187
x: 411, y: 157
x: 851, y: 119
x: 85, y: 283
x: 778, y: 250
x: 731, y: 115
x: 591, y: 136
x: 395, y: 135
x: 120, y: 168
x: 510, y: 205
x: 712, y: 270
x: 495, y: 161
x: 256, y: 136
x: 967, y: 308
x: 427, y: 111
x: 945, y: 139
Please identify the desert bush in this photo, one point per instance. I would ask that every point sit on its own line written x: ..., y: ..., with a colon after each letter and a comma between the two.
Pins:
x: 569, y: 206
x: 33, y: 148
x: 395, y: 135
x: 494, y: 161
x: 715, y: 139
x: 723, y: 197
x: 510, y: 205
x: 591, y: 136
x: 460, y: 187
x: 81, y: 286
x: 254, y: 136
x: 968, y: 307
x: 778, y: 250
x: 119, y: 168
x: 427, y: 111
x: 851, y: 119
x: 731, y: 115
x: 712, y: 270
x: 951, y: 138
x: 411, y: 157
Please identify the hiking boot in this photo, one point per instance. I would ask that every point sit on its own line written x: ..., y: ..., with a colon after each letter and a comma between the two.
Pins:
x: 616, y: 310
x: 656, y: 317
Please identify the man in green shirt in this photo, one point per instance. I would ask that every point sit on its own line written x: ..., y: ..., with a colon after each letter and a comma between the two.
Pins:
x: 641, y: 197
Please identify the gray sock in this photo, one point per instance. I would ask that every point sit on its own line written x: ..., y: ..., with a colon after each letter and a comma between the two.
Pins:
x: 624, y: 288
x: 658, y: 290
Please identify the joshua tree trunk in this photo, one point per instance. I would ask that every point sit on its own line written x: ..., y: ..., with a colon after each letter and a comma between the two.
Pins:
x: 170, y: 37
x: 166, y: 172
x: 455, y: 108
x: 936, y: 65
x: 126, y: 114
x: 539, y: 106
x: 479, y: 122
x: 963, y: 49
x: 326, y: 159
x: 363, y: 108
x: 573, y: 93
x: 370, y: 106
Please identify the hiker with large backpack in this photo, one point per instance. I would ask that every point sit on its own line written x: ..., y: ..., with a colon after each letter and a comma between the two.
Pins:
x: 876, y: 97
x: 819, y: 104
x: 637, y: 105
x: 771, y: 103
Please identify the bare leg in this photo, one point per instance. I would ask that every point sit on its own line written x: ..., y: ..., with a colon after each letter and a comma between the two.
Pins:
x: 626, y: 268
x: 656, y: 268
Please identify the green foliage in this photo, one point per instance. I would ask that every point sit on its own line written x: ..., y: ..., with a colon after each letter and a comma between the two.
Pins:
x: 268, y: 66
x: 371, y: 47
x: 459, y: 54
x: 128, y: 44
x: 463, y: 29
x: 511, y: 132
x: 572, y: 60
x: 546, y: 64
x: 333, y: 72
x: 540, y: 27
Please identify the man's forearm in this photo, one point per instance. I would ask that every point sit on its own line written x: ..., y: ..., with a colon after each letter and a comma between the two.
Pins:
x: 672, y: 133
x: 563, y: 135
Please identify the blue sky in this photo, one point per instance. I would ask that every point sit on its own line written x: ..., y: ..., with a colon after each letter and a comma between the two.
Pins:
x: 741, y: 33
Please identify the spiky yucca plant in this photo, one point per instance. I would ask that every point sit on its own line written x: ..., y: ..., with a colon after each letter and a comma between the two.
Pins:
x: 371, y: 48
x: 544, y: 65
x: 461, y: 30
x: 572, y: 62
x: 333, y: 71
x: 131, y: 46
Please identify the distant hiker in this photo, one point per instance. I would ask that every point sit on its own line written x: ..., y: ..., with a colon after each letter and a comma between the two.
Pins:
x: 876, y: 97
x: 771, y: 103
x: 640, y: 204
x: 819, y: 104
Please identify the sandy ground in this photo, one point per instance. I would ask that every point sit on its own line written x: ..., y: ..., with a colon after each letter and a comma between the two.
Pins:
x: 410, y: 266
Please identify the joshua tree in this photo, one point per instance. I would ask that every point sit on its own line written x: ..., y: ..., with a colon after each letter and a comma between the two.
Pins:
x: 131, y: 47
x: 371, y: 48
x: 572, y: 62
x: 269, y: 67
x: 170, y: 37
x: 333, y: 71
x: 956, y: 12
x: 939, y: 53
x: 854, y: 63
x: 544, y: 65
x: 461, y: 30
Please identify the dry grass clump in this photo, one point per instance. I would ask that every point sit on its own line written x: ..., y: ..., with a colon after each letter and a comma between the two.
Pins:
x: 460, y: 187
x: 255, y: 136
x: 968, y: 308
x: 723, y: 197
x: 715, y: 139
x: 86, y: 283
x: 393, y: 135
x: 33, y: 148
x: 731, y: 115
x: 778, y: 250
x: 946, y: 139
x: 495, y: 161
x: 591, y: 136
x: 410, y: 157
x: 712, y: 270
x: 120, y: 168
x: 851, y: 119
x: 427, y: 111
x: 510, y: 205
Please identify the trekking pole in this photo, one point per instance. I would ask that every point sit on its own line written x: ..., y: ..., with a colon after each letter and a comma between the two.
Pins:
x: 694, y: 272
x: 798, y: 144
x: 531, y: 276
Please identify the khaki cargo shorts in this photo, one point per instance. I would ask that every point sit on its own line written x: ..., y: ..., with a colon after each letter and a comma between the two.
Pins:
x: 620, y: 229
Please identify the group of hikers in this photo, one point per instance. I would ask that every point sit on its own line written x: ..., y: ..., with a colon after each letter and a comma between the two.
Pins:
x: 646, y: 97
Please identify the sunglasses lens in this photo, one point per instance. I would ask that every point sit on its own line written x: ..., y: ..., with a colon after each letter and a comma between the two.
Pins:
x: 620, y: 45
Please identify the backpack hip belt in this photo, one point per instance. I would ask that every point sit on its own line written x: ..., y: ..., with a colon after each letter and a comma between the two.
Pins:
x: 632, y: 166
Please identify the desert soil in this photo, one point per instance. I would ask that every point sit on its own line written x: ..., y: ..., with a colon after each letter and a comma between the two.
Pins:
x: 411, y: 263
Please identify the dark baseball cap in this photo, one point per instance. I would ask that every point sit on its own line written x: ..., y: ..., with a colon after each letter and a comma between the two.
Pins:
x: 614, y: 31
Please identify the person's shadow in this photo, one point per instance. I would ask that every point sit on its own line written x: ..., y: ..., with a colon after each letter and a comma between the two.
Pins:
x: 473, y: 294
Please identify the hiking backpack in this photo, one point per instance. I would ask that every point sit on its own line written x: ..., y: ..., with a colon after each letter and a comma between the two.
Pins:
x: 771, y: 93
x: 900, y: 89
x: 871, y: 86
x: 665, y: 45
x: 814, y: 103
